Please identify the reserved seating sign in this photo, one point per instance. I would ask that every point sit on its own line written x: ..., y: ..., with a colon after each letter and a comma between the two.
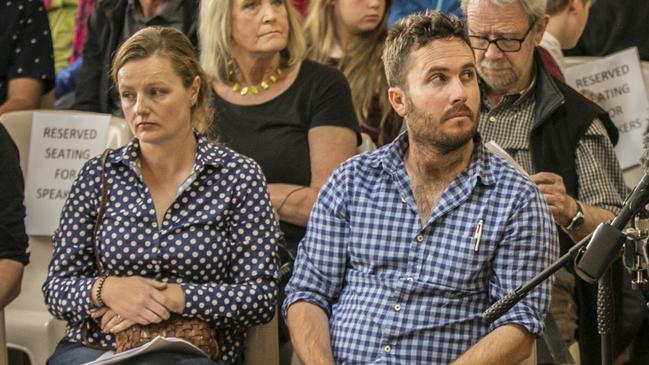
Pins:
x: 60, y: 144
x: 616, y: 84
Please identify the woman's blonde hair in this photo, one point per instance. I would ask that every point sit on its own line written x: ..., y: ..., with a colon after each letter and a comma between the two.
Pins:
x: 174, y: 46
x: 215, y: 38
x: 361, y: 64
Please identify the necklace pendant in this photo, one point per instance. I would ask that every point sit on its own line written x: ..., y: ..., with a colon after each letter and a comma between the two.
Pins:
x: 244, y: 91
x: 264, y: 85
x: 254, y: 90
x: 236, y: 87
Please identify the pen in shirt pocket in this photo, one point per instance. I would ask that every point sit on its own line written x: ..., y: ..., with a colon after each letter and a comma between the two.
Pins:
x: 478, y: 235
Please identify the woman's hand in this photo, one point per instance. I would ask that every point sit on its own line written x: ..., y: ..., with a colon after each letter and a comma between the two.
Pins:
x: 137, y: 299
x: 111, y: 321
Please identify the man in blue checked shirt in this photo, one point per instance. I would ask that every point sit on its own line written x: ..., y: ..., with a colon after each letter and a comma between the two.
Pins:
x: 406, y: 246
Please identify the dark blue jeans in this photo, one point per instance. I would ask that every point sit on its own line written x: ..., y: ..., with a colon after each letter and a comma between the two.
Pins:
x: 71, y: 353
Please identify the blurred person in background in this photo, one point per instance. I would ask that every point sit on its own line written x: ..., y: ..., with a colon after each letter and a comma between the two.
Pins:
x: 614, y: 25
x: 403, y: 8
x: 111, y: 23
x: 13, y: 239
x: 349, y: 34
x: 27, y: 58
x: 295, y: 117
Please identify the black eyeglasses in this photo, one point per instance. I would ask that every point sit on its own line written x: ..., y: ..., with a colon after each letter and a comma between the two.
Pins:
x: 503, y: 44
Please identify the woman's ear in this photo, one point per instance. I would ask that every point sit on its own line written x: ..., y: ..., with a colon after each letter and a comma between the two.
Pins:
x: 195, y: 89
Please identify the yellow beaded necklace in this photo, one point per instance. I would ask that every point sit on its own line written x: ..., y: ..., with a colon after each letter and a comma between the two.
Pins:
x: 253, y: 89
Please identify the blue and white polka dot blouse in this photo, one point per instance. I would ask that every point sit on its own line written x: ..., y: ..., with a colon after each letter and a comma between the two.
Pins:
x: 217, y: 240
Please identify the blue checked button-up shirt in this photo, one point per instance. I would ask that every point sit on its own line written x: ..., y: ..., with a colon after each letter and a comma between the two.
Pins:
x: 217, y: 240
x: 397, y: 292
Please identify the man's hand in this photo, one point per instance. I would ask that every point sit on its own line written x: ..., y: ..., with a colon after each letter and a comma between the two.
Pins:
x: 562, y: 205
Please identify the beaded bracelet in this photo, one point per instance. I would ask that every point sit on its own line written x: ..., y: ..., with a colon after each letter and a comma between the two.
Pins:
x: 100, y: 286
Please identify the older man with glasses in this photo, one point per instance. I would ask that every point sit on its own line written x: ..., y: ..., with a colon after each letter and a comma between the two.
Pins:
x: 558, y: 137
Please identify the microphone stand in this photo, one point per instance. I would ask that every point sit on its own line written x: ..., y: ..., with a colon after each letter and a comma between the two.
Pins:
x: 605, y: 316
x: 604, y: 299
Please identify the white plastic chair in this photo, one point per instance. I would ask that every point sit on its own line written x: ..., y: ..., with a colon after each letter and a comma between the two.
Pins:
x: 263, y: 344
x: 30, y: 328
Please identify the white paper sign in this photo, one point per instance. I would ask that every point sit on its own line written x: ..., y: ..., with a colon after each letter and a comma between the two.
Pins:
x: 617, y: 86
x: 60, y: 145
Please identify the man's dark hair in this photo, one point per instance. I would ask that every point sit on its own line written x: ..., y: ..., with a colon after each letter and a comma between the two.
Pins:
x: 412, y: 33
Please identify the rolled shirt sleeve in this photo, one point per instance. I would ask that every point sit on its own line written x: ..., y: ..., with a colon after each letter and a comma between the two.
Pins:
x: 530, y: 244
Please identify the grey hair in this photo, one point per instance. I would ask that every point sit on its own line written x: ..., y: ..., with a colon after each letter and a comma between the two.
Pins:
x: 535, y: 9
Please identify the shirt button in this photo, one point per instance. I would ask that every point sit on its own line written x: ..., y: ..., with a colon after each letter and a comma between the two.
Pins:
x: 410, y: 279
x: 397, y: 307
x: 420, y: 238
x: 492, y: 118
x: 387, y: 348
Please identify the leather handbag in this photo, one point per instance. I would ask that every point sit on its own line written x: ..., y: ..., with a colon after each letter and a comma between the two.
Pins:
x: 198, y: 332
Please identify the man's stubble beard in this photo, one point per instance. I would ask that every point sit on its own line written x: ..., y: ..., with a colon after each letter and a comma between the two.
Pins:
x: 438, y: 141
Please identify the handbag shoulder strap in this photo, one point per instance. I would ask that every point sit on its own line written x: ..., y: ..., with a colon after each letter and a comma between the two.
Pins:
x: 102, y: 206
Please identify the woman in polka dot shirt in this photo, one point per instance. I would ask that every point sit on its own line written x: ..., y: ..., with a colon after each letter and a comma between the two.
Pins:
x: 188, y: 226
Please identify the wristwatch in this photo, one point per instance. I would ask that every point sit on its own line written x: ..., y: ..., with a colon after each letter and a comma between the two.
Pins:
x: 577, y: 221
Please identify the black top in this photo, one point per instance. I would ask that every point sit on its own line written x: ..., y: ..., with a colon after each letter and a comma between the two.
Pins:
x: 275, y: 133
x: 614, y: 25
x: 25, y: 44
x: 13, y: 239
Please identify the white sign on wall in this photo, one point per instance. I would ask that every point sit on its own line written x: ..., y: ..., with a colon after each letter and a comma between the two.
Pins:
x: 60, y: 145
x: 617, y: 85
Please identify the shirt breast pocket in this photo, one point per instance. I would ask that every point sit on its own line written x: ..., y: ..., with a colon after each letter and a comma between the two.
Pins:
x: 461, y: 262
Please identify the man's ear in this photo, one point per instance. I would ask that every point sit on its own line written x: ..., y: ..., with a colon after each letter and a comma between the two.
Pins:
x: 397, y: 99
x: 541, y: 24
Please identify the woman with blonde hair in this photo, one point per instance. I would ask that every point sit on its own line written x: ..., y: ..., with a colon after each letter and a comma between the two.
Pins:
x: 350, y: 35
x: 294, y: 117
x: 167, y: 228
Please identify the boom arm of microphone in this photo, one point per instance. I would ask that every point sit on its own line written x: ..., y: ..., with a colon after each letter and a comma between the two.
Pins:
x: 505, y: 303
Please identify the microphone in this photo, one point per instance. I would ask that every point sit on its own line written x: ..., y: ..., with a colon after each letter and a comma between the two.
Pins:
x: 607, y: 240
